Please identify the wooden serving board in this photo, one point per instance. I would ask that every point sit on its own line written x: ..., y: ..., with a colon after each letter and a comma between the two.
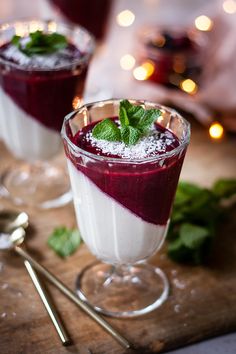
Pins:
x: 202, y: 301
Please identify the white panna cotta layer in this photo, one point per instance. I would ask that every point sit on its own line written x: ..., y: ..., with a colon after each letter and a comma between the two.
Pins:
x: 112, y: 232
x: 24, y: 136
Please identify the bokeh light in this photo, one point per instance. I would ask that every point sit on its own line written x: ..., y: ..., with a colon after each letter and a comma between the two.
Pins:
x: 127, y: 62
x: 203, y: 23
x: 140, y: 73
x: 125, y: 18
x: 52, y: 26
x: 144, y: 71
x: 149, y: 66
x: 179, y: 66
x: 229, y: 6
x: 189, y: 86
x: 76, y: 102
x: 159, y: 41
x: 216, y: 130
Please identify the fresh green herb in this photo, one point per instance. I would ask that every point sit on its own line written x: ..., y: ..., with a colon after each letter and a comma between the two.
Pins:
x: 135, y: 122
x: 40, y: 43
x: 64, y: 241
x: 195, y: 218
x: 16, y: 40
x: 107, y: 130
x: 224, y: 188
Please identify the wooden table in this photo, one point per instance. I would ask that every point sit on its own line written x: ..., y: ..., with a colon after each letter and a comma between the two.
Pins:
x: 202, y: 302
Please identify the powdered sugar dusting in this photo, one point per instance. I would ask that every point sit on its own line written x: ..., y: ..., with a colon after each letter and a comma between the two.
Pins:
x: 63, y: 57
x: 153, y: 144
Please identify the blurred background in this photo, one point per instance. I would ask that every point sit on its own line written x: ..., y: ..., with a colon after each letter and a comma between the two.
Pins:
x: 179, y: 52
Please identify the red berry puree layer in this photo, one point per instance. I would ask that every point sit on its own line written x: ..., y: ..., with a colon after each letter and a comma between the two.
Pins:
x: 43, y: 86
x: 137, y: 177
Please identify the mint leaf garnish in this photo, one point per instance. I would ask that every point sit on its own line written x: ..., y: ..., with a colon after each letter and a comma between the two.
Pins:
x: 124, y: 119
x: 64, y: 241
x: 15, y: 40
x: 130, y: 135
x: 147, y: 119
x: 41, y: 43
x: 135, y: 122
x: 106, y: 130
x: 195, y: 217
x: 224, y: 188
x: 193, y: 236
x: 177, y: 251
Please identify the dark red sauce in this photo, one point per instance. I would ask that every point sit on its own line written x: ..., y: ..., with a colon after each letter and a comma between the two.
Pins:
x: 147, y: 189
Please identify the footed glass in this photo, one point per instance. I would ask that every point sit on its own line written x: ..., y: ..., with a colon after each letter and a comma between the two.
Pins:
x: 34, y: 97
x: 123, y: 207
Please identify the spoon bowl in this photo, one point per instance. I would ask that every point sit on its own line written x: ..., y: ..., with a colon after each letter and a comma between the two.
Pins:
x: 17, y: 236
x: 11, y: 220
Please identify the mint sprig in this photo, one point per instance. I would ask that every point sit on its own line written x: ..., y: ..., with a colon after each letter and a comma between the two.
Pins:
x: 107, y: 130
x: 40, y: 43
x: 64, y: 241
x: 135, y: 122
x: 195, y: 217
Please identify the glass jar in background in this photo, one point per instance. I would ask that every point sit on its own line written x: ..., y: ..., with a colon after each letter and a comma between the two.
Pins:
x: 171, y: 55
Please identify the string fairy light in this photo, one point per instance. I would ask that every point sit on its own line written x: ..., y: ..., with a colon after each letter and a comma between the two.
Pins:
x: 125, y: 18
x: 127, y: 62
x: 216, y: 130
x: 188, y: 86
x: 203, y: 23
x: 229, y: 6
x: 144, y: 71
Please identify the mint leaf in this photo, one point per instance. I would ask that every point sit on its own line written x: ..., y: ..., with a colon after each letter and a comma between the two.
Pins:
x: 149, y: 117
x: 186, y: 192
x: 132, y: 110
x: 106, y: 130
x: 177, y: 251
x: 130, y: 135
x: 64, y: 241
x: 124, y: 120
x: 135, y: 122
x: 224, y: 188
x: 15, y: 40
x: 193, y: 236
x: 138, y: 117
x: 41, y: 43
x: 196, y: 214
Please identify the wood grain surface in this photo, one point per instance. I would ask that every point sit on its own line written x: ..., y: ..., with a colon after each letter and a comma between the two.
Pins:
x: 202, y: 301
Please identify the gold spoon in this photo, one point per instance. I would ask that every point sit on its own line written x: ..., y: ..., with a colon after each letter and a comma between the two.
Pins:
x: 9, y: 222
x: 17, y: 238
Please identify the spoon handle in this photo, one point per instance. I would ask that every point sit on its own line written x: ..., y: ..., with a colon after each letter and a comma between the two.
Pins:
x: 48, y: 304
x: 66, y: 291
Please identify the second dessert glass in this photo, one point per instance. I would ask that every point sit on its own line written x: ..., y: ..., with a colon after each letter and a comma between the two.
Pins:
x: 123, y: 208
x: 34, y: 101
x: 91, y: 14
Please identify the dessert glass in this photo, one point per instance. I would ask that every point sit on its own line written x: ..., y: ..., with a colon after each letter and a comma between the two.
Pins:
x: 91, y: 14
x: 34, y: 101
x: 123, y: 208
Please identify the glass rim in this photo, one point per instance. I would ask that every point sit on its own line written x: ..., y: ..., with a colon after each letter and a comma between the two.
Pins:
x: 77, y: 28
x: 77, y: 149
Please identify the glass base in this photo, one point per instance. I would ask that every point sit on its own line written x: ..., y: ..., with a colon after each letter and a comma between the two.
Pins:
x: 123, y: 291
x: 39, y: 184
